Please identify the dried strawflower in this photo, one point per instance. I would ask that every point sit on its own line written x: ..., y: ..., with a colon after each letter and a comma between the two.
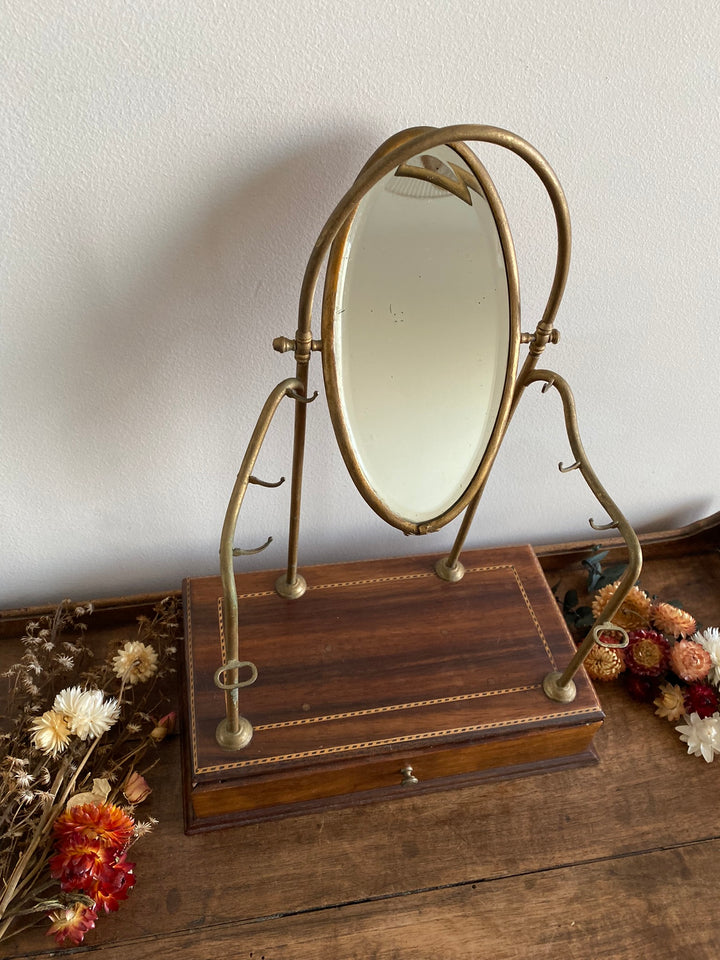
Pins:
x: 672, y: 620
x: 647, y: 653
x: 104, y: 822
x: 604, y: 663
x: 51, y: 733
x: 90, y: 844
x: 710, y: 640
x: 642, y: 689
x: 136, y: 788
x: 113, y: 884
x: 702, y: 699
x: 72, y: 923
x: 87, y: 713
x: 136, y: 662
x: 670, y: 702
x: 52, y: 749
x: 634, y: 611
x: 164, y: 727
x: 690, y: 661
x: 702, y: 735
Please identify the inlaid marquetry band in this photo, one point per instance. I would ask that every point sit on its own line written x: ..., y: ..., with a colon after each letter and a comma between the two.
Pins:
x: 389, y: 741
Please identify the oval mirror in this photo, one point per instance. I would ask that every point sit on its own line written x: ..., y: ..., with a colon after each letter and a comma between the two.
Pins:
x: 420, y: 336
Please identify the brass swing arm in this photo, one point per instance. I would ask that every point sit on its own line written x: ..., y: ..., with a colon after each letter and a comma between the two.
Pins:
x: 234, y: 731
x: 559, y: 686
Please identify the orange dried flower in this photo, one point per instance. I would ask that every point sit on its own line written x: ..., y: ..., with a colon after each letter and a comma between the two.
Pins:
x: 672, y: 620
x: 690, y: 661
x: 103, y: 822
x: 634, y: 611
x: 604, y: 663
x: 90, y: 842
x: 72, y: 923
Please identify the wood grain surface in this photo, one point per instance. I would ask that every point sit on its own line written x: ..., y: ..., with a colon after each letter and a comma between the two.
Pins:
x: 615, y: 861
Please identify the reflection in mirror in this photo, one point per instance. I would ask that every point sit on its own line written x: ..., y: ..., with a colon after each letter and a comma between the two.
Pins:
x: 420, y: 326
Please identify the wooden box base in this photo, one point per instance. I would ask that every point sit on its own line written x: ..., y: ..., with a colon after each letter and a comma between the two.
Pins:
x: 380, y: 666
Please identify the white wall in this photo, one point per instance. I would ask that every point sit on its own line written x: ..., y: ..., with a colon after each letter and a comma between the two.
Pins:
x: 166, y: 168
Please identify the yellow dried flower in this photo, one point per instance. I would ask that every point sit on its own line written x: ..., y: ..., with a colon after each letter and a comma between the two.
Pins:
x: 672, y: 620
x: 671, y: 702
x: 50, y: 732
x: 135, y: 662
x: 604, y: 663
x: 634, y: 611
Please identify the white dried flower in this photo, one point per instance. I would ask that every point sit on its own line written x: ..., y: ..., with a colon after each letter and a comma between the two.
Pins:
x: 88, y: 714
x: 710, y: 640
x: 51, y: 732
x: 135, y: 662
x: 24, y: 779
x: 66, y: 663
x: 702, y: 735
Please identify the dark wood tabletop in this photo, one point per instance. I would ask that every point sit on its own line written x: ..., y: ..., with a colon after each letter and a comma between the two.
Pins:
x: 603, y: 862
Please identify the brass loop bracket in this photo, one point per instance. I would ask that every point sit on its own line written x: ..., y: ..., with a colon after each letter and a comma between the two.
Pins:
x: 235, y: 665
x: 610, y: 628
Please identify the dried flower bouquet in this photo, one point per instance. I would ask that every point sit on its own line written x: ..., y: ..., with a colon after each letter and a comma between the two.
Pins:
x: 669, y: 662
x: 75, y: 733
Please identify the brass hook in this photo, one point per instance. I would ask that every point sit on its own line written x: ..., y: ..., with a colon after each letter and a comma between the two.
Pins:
x: 548, y: 383
x: 294, y: 395
x: 238, y: 552
x: 266, y: 483
x: 573, y: 466
x: 603, y: 526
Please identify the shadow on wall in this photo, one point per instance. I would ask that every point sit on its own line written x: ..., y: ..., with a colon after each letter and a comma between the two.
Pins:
x: 167, y: 361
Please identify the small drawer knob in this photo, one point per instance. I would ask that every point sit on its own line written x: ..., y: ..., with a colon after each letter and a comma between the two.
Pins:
x: 408, y: 780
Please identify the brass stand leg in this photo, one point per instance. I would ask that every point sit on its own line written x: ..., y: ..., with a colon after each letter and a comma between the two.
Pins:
x: 559, y: 686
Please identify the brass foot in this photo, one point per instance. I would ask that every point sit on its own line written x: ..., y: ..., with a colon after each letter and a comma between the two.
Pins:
x: 446, y: 572
x: 234, y: 741
x: 562, y: 694
x: 290, y: 591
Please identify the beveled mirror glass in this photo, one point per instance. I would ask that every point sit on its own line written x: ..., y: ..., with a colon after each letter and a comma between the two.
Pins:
x: 420, y: 336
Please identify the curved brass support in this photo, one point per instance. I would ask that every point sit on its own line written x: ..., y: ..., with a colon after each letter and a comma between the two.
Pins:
x: 544, y: 332
x: 234, y: 732
x: 560, y: 686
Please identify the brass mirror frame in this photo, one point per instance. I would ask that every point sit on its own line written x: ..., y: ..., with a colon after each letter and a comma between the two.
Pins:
x: 234, y: 731
x: 389, y: 156
x: 329, y: 359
